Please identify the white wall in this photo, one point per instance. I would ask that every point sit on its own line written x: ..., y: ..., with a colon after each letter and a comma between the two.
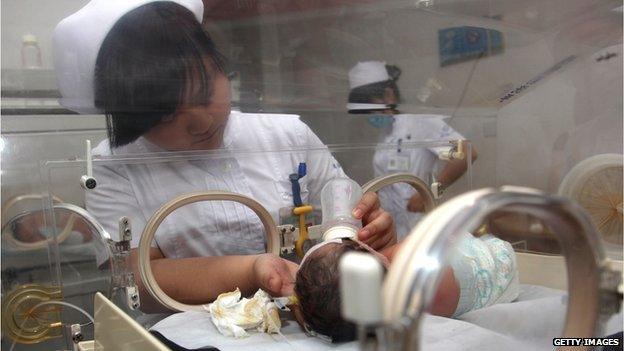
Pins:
x: 572, y: 115
x: 38, y: 17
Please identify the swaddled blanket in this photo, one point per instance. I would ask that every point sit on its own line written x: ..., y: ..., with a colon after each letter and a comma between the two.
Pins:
x: 486, y: 270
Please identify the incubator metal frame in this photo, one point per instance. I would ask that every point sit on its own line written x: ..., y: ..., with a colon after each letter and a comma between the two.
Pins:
x: 27, y: 295
x: 279, y: 239
x: 595, y: 285
x: 145, y: 268
x: 122, y: 277
x: 20, y: 245
x: 418, y: 184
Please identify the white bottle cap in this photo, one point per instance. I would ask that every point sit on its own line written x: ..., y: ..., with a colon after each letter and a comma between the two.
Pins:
x: 29, y: 39
x: 339, y: 232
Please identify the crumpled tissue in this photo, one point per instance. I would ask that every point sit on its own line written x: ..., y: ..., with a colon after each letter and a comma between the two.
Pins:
x: 233, y: 315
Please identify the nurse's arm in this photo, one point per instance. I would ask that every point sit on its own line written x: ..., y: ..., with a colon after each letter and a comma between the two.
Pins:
x: 449, y: 174
x: 454, y: 169
x: 199, y: 280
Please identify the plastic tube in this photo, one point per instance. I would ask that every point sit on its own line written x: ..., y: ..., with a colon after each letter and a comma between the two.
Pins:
x: 52, y: 302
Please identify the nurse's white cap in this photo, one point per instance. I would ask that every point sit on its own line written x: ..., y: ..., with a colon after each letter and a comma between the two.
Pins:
x: 368, y: 72
x: 77, y: 40
x: 364, y: 73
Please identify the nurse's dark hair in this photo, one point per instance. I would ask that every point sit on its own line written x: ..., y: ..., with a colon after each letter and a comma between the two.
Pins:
x: 144, y: 67
x: 366, y: 93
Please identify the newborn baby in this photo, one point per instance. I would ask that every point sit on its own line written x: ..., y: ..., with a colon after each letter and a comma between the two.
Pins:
x: 482, y: 272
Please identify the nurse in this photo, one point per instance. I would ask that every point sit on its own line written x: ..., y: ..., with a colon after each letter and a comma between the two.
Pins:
x: 374, y: 92
x: 161, y: 83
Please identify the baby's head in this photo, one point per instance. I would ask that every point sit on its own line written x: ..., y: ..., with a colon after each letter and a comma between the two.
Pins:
x: 317, y: 288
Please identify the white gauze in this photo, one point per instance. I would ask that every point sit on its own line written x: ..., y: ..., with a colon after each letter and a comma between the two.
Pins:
x: 233, y: 315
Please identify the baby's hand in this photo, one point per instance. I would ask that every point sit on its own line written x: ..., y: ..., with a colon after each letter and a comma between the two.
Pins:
x: 274, y: 275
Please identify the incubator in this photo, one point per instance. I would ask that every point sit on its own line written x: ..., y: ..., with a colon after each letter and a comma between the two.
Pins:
x: 532, y: 90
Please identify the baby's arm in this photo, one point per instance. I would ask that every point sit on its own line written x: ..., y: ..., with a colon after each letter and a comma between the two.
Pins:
x: 446, y: 297
x: 391, y: 251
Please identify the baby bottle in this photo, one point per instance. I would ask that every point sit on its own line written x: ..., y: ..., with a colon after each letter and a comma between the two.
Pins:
x: 338, y: 198
x: 31, y: 54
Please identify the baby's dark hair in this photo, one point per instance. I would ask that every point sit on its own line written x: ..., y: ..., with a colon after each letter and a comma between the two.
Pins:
x: 318, y: 290
x: 144, y: 67
x: 365, y: 94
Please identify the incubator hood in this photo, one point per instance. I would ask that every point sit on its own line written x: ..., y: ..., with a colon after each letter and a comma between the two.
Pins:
x: 524, y: 93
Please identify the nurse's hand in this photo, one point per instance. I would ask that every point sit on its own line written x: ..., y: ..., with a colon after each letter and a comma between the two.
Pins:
x: 416, y: 203
x: 378, y: 231
x: 274, y: 275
